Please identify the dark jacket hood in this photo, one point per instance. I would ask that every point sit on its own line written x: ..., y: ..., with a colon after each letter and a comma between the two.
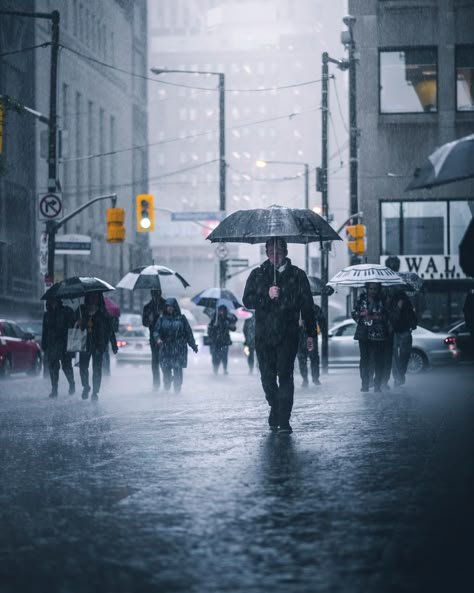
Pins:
x: 172, y: 301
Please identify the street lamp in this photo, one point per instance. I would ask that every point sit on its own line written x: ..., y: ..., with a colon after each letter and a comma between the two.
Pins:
x: 222, y: 163
x: 262, y: 163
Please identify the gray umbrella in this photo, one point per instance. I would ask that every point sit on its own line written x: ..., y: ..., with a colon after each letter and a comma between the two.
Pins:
x: 453, y: 161
x: 260, y: 224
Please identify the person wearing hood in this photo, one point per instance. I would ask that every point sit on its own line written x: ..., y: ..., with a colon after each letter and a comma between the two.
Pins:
x: 172, y: 334
x: 218, y: 330
x: 280, y: 293
x: 94, y: 318
x: 151, y: 313
x: 56, y: 322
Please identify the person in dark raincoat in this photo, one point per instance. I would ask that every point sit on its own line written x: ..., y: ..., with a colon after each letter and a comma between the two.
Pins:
x: 249, y: 335
x: 278, y: 307
x: 172, y: 334
x: 56, y: 321
x: 313, y: 355
x: 94, y: 317
x: 151, y: 313
x: 404, y: 321
x: 372, y: 333
x: 218, y: 330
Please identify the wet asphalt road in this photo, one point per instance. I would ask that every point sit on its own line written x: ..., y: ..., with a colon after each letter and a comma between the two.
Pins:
x: 151, y: 492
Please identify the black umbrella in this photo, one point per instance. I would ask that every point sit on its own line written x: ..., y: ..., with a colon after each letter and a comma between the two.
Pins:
x: 260, y: 224
x: 76, y: 287
x: 451, y: 162
x: 210, y: 296
x: 466, y: 250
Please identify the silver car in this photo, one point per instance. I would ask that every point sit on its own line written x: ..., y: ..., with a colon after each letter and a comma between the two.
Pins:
x: 133, y: 346
x: 428, y: 348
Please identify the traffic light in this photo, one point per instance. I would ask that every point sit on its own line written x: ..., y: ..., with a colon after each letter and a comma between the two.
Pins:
x: 356, y: 238
x: 145, y: 213
x: 115, y: 222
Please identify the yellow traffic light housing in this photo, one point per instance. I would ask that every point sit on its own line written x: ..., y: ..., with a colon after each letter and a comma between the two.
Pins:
x: 115, y: 225
x: 356, y: 238
x: 145, y: 213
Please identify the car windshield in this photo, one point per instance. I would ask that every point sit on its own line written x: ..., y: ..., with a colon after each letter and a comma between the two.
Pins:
x: 134, y: 333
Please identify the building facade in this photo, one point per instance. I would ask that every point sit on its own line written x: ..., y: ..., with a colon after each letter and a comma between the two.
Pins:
x: 102, y: 116
x: 415, y: 85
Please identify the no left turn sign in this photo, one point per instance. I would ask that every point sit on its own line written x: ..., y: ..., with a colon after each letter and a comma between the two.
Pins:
x: 50, y: 206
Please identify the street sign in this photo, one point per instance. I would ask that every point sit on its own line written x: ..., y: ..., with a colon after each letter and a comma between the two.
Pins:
x: 221, y: 251
x: 238, y: 263
x: 73, y: 245
x: 50, y: 206
x: 181, y: 216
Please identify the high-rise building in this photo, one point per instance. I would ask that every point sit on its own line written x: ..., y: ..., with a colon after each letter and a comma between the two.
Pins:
x: 102, y: 117
x: 414, y: 93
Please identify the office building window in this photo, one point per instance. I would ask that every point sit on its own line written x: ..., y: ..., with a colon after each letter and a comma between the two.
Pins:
x: 408, y: 80
x: 465, y: 78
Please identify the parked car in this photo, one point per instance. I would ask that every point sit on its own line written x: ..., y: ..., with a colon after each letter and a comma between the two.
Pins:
x: 428, y: 348
x: 133, y: 346
x: 463, y: 340
x: 19, y: 352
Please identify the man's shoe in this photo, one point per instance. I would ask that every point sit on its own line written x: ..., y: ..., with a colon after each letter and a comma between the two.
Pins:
x: 364, y: 389
x: 85, y: 392
x: 317, y: 382
x: 285, y: 429
x: 377, y: 390
x: 53, y: 394
x: 305, y: 383
x: 95, y: 396
x: 72, y: 389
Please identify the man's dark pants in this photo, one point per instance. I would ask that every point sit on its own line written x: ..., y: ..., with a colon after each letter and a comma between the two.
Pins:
x: 155, y: 364
x: 276, y: 363
x: 84, y: 359
x: 402, y: 343
x: 54, y: 359
x: 313, y: 356
x: 372, y: 360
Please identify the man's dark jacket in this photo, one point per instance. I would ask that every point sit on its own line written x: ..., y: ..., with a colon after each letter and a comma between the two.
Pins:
x: 277, y: 320
x: 56, y: 322
x: 153, y: 312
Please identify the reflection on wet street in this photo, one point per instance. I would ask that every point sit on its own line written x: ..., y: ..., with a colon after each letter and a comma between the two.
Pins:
x: 151, y: 491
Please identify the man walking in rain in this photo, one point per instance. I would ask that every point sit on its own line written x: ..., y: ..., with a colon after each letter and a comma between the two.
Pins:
x: 151, y: 313
x: 280, y: 293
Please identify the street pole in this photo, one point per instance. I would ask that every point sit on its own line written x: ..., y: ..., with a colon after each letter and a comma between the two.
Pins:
x: 353, y: 156
x: 325, y: 210
x: 306, y: 205
x: 222, y: 168
x: 52, y: 227
x: 53, y: 99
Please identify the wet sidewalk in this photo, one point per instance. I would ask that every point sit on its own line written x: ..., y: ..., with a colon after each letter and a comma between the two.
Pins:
x: 146, y: 491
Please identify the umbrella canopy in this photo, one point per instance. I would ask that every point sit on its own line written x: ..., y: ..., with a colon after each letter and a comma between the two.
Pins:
x: 260, y: 224
x: 466, y: 250
x: 451, y: 162
x: 210, y: 297
x: 153, y: 277
x: 112, y: 308
x: 358, y: 275
x: 76, y: 287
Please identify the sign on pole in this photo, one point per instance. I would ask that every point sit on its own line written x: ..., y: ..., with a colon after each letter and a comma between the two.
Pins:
x: 182, y: 216
x: 50, y: 206
x: 73, y: 245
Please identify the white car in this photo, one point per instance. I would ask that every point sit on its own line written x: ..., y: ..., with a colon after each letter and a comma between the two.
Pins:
x: 133, y: 346
x: 428, y: 348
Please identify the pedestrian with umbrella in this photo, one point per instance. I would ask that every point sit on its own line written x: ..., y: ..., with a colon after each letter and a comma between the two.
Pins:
x: 218, y: 330
x: 151, y: 313
x: 94, y: 318
x: 157, y: 279
x: 56, y: 321
x: 114, y: 311
x: 280, y: 293
x: 172, y: 334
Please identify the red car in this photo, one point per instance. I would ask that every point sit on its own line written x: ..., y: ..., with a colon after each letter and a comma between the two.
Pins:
x: 19, y: 352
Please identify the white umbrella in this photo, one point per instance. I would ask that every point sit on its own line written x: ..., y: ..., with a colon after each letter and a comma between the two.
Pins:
x: 153, y: 277
x: 359, y: 275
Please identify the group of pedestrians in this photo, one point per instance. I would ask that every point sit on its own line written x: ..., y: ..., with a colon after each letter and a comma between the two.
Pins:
x: 170, y: 336
x: 93, y: 318
x: 385, y: 319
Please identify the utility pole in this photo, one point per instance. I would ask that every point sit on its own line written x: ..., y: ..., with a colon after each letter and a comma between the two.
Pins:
x: 347, y: 38
x: 306, y: 205
x: 222, y: 168
x: 53, y: 101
